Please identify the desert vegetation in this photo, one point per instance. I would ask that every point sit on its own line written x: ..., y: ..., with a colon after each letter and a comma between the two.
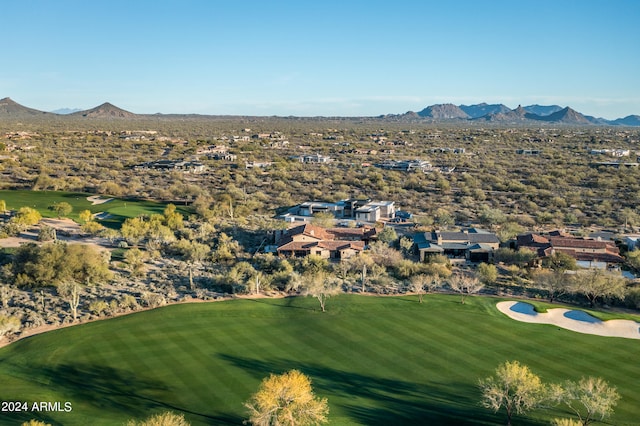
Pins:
x: 90, y: 230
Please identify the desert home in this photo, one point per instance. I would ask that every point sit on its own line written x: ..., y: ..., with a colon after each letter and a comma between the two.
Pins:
x: 338, y: 243
x: 588, y: 252
x: 364, y: 210
x: 468, y: 245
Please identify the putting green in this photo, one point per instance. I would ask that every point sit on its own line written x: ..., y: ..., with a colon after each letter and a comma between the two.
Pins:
x: 378, y: 360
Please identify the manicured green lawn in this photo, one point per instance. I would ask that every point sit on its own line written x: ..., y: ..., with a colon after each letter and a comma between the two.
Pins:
x: 118, y: 209
x: 379, y: 361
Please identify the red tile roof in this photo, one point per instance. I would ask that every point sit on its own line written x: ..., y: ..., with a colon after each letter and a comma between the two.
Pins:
x: 580, y: 243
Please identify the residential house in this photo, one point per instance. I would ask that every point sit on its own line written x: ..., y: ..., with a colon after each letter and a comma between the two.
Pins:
x: 363, y: 210
x: 589, y: 253
x: 310, y: 208
x: 177, y: 165
x: 223, y: 156
x: 257, y: 164
x: 615, y: 164
x: 469, y: 245
x: 405, y: 165
x: 632, y: 241
x: 339, y: 243
x: 611, y: 152
x: 374, y: 210
x: 313, y: 158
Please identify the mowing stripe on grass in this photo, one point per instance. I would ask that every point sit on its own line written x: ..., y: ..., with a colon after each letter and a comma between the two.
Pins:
x: 378, y: 360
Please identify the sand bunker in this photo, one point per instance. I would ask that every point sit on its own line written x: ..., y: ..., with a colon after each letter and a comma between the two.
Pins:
x: 96, y: 199
x: 578, y: 321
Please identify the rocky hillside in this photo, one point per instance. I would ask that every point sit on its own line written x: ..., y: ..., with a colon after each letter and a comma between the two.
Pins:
x: 443, y: 112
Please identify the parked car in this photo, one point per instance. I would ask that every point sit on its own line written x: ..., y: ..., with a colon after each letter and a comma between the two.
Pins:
x: 403, y: 214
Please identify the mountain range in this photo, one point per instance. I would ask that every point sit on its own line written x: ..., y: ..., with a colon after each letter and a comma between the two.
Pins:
x: 489, y: 113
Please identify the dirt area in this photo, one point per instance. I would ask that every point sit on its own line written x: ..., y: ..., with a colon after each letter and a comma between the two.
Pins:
x: 67, y: 230
x: 62, y: 225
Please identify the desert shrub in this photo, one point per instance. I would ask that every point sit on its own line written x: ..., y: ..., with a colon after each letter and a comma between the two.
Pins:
x: 128, y: 302
x: 8, y: 324
x: 153, y: 300
x: 98, y: 307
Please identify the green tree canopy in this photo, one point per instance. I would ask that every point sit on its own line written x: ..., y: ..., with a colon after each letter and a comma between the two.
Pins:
x: 61, y: 208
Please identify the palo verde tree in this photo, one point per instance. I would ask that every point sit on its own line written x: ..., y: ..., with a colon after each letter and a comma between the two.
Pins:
x: 61, y: 209
x: 591, y: 399
x: 194, y: 253
x: 321, y: 285
x: 596, y: 284
x: 513, y: 388
x: 167, y: 418
x: 554, y: 282
x: 286, y: 400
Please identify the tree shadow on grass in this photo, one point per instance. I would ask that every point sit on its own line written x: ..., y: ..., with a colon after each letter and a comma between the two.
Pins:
x: 113, y: 390
x: 372, y: 400
x: 286, y: 302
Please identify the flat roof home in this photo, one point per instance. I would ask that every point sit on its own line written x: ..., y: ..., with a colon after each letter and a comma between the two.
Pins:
x: 468, y: 245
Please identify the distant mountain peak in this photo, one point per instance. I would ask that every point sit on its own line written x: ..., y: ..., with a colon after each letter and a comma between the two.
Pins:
x: 629, y: 120
x: 443, y: 112
x: 65, y: 111
x: 11, y: 109
x: 566, y: 115
x: 542, y: 110
x: 105, y: 110
x: 483, y: 109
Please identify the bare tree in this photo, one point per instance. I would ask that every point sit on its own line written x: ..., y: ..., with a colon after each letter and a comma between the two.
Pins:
x: 321, y: 286
x: 423, y: 283
x: 465, y: 285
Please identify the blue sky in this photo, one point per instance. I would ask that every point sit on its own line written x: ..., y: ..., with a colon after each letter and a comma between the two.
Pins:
x: 321, y: 57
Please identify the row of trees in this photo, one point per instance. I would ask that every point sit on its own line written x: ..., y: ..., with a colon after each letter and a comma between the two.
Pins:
x: 517, y: 390
x: 593, y: 284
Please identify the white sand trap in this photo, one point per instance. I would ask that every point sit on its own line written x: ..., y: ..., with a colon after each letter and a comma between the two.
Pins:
x: 96, y: 199
x: 102, y: 215
x: 578, y: 321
